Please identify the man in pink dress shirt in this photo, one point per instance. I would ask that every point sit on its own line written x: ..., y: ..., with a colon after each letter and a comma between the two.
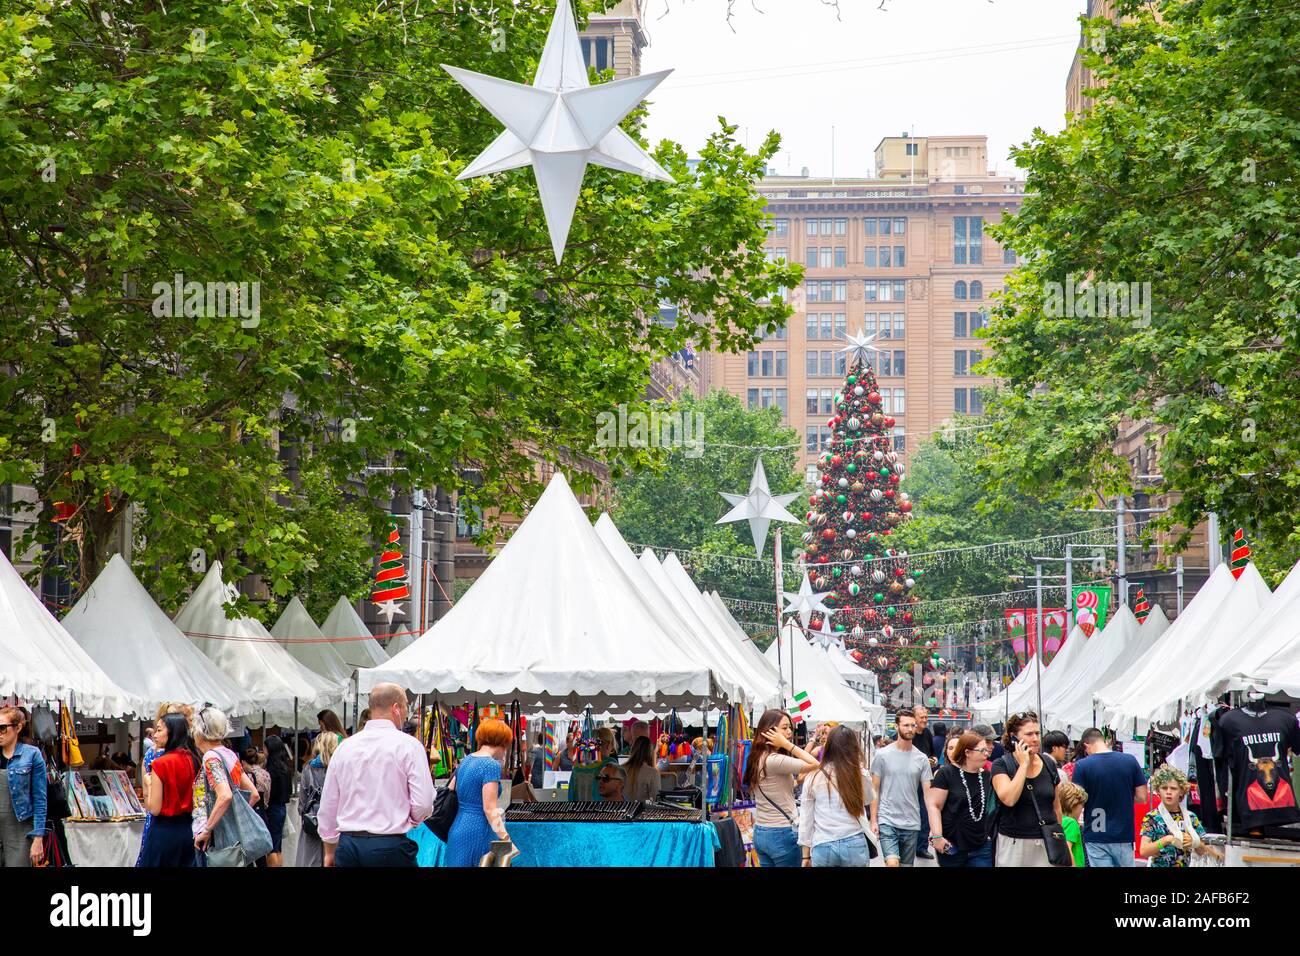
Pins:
x: 377, y: 788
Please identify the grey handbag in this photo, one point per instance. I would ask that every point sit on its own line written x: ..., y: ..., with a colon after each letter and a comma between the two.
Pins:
x: 240, y: 838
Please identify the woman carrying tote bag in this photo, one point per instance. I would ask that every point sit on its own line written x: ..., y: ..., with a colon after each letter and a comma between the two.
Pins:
x: 1029, y: 822
x: 227, y: 831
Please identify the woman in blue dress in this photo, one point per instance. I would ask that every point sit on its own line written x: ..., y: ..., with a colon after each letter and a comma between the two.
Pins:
x: 478, y: 785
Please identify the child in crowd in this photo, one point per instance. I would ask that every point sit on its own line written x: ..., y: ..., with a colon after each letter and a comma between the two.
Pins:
x: 1073, y: 798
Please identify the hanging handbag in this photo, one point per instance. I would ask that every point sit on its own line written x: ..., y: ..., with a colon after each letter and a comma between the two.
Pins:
x: 240, y: 838
x: 1058, y: 850
x: 444, y: 810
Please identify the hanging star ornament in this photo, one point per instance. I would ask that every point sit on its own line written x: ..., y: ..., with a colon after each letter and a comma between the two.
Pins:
x: 826, y: 635
x: 388, y: 609
x: 560, y: 124
x: 760, y: 507
x: 860, y: 348
x: 804, y: 602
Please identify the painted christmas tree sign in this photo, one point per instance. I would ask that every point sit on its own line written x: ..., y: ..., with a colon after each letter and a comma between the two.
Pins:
x: 391, y: 583
x: 851, y: 517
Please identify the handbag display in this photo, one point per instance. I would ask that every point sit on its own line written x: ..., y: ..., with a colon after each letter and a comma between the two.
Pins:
x: 1058, y: 850
x: 444, y: 811
x: 240, y: 838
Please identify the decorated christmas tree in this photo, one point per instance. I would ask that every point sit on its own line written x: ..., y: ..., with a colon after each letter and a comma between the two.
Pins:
x: 851, y: 517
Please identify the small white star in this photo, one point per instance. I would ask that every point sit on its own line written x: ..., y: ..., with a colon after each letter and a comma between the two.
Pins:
x: 859, y: 348
x: 759, y: 507
x: 388, y: 609
x: 826, y: 635
x: 804, y: 602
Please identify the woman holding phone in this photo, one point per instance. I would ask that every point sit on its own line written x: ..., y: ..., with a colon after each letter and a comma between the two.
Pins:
x: 1025, y: 781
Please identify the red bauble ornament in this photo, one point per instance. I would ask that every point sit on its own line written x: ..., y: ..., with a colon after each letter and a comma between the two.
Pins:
x: 907, y: 617
x: 823, y: 559
x: 893, y: 479
x: 866, y: 516
x: 889, y: 421
x: 836, y: 460
x: 873, y: 396
x: 889, y: 492
x: 905, y: 506
x: 829, y: 534
x: 900, y: 572
x: 872, y: 475
x: 812, y: 501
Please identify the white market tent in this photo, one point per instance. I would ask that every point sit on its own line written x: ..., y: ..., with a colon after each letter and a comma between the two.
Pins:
x: 1023, y: 693
x: 693, y: 640
x: 1198, y: 655
x: 118, y: 624
x: 400, y: 643
x: 1069, y: 705
x: 247, y: 652
x: 814, y: 674
x: 1264, y: 647
x: 763, y: 677
x: 1008, y: 700
x: 299, y: 635
x: 39, y: 660
x: 552, y: 621
x: 860, y: 679
x: 352, y: 639
x: 1159, y: 657
x: 746, y: 642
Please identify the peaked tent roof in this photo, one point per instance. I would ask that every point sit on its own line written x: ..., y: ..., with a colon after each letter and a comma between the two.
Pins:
x: 553, y: 620
x: 247, y: 652
x: 343, y: 625
x: 299, y: 635
x: 763, y: 683
x: 1157, y: 656
x: 1069, y: 706
x: 1262, y: 648
x: 859, y: 678
x: 693, y: 641
x: 121, y: 628
x: 1155, y: 699
x: 746, y: 642
x: 1008, y: 699
x: 39, y: 660
x: 814, y: 674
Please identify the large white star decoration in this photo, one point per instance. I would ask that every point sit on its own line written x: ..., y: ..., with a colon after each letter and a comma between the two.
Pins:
x: 804, y: 602
x: 560, y: 124
x: 760, y: 507
x: 826, y: 635
x: 860, y: 348
x: 388, y: 609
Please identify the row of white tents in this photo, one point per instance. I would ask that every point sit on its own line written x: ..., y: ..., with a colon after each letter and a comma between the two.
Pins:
x: 1235, y: 634
x: 566, y: 618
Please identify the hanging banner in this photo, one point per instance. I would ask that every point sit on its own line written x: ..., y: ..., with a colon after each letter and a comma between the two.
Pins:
x: 1091, y: 604
x: 1017, y: 624
x: 1022, y: 631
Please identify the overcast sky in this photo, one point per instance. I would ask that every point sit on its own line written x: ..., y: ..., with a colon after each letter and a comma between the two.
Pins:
x: 932, y: 67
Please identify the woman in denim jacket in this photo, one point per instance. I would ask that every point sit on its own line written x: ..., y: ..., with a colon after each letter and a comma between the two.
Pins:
x: 22, y: 795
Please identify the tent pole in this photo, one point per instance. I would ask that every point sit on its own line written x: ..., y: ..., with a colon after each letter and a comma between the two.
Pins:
x: 780, y: 677
x: 295, y: 733
x: 356, y: 700
x: 1038, y: 637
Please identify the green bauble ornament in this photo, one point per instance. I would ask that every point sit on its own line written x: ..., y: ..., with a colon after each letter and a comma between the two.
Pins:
x: 851, y: 468
x: 839, y: 627
x: 878, y: 597
x: 884, y: 472
x: 836, y: 571
x: 852, y: 379
x: 840, y: 499
x: 892, y: 611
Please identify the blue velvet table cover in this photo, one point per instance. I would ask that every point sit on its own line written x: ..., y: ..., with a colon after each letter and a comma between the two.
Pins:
x: 595, y: 844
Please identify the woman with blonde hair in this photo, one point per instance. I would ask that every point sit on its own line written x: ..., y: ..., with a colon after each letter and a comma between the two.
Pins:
x: 211, y: 728
x: 311, y: 851
x: 478, y: 786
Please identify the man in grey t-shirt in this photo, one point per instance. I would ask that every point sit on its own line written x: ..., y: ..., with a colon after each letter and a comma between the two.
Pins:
x: 897, y: 773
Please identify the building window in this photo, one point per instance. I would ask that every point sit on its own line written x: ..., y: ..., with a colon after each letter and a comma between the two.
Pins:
x: 826, y: 227
x: 959, y: 289
x: 810, y: 401
x: 778, y: 253
x: 959, y: 190
x: 963, y: 360
x: 777, y: 334
x: 810, y: 257
x: 868, y: 227
x: 810, y: 325
x: 884, y: 227
x: 597, y: 52
x: 869, y: 323
x: 841, y: 257
x: 898, y: 325
x: 828, y: 401
x: 900, y: 363
x: 900, y: 256
x: 824, y: 433
x: 977, y: 289
x: 900, y: 439
x: 959, y: 326
x: 469, y: 519
x: 841, y: 363
x: 766, y: 364
x: 959, y: 400
x: 869, y: 257
x: 811, y: 434
x: 1009, y: 257
x: 900, y: 290
x: 810, y: 364
x: 767, y: 398
x: 900, y: 405
x: 810, y: 290
x: 885, y: 292
x: 884, y: 400
x: 752, y: 364
x: 900, y: 227
x: 840, y: 325
x: 824, y: 325
x: 912, y: 148
x: 810, y: 227
x: 841, y: 227
x: 780, y: 365
x: 978, y: 320
x: 826, y: 253
x: 968, y: 240
x: 826, y: 367
x: 752, y: 398
x: 886, y: 259
x: 968, y: 401
x: 976, y: 402
x: 782, y: 401
x: 781, y: 227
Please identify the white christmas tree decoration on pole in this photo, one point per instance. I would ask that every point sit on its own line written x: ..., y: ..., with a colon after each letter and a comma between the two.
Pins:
x: 560, y: 124
x: 759, y: 507
x: 805, y: 603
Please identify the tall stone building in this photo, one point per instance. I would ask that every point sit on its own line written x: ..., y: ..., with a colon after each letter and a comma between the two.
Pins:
x: 904, y: 254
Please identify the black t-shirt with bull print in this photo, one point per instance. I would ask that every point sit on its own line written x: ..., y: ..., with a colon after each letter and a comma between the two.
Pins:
x: 1260, y: 749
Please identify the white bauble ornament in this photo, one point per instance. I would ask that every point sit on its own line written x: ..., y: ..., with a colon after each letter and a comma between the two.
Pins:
x: 910, y: 583
x: 876, y: 494
x: 854, y: 424
x: 851, y: 533
x: 878, y: 576
x: 855, y: 570
x: 843, y: 482
x: 878, y: 455
x: 858, y: 389
x: 872, y: 641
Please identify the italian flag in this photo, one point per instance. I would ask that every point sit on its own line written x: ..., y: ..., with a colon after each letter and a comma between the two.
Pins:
x: 801, y: 703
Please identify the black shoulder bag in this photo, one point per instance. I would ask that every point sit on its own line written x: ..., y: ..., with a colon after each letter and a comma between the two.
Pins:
x: 1058, y: 850
x: 444, y: 811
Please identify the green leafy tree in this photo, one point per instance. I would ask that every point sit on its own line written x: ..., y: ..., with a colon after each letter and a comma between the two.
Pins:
x: 677, y: 503
x: 389, y: 314
x: 1184, y: 174
x: 953, y: 510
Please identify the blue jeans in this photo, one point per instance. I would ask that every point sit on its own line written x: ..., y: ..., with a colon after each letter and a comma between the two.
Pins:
x: 898, y: 843
x: 850, y: 851
x: 983, y: 857
x: 1109, y: 854
x: 395, y: 850
x: 776, y: 846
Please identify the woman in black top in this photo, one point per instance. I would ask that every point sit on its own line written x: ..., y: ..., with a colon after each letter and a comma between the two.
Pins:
x: 280, y: 767
x: 962, y: 806
x: 1025, y: 781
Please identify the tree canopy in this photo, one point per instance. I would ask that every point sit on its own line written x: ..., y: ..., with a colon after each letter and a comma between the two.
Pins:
x: 1185, y: 175
x: 308, y: 156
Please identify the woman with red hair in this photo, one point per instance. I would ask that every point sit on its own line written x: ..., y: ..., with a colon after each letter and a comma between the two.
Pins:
x: 478, y: 785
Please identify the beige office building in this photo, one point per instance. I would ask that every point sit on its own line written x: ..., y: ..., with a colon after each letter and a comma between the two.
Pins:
x: 904, y: 254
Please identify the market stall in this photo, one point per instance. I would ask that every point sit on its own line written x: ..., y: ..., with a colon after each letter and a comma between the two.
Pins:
x: 1068, y: 705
